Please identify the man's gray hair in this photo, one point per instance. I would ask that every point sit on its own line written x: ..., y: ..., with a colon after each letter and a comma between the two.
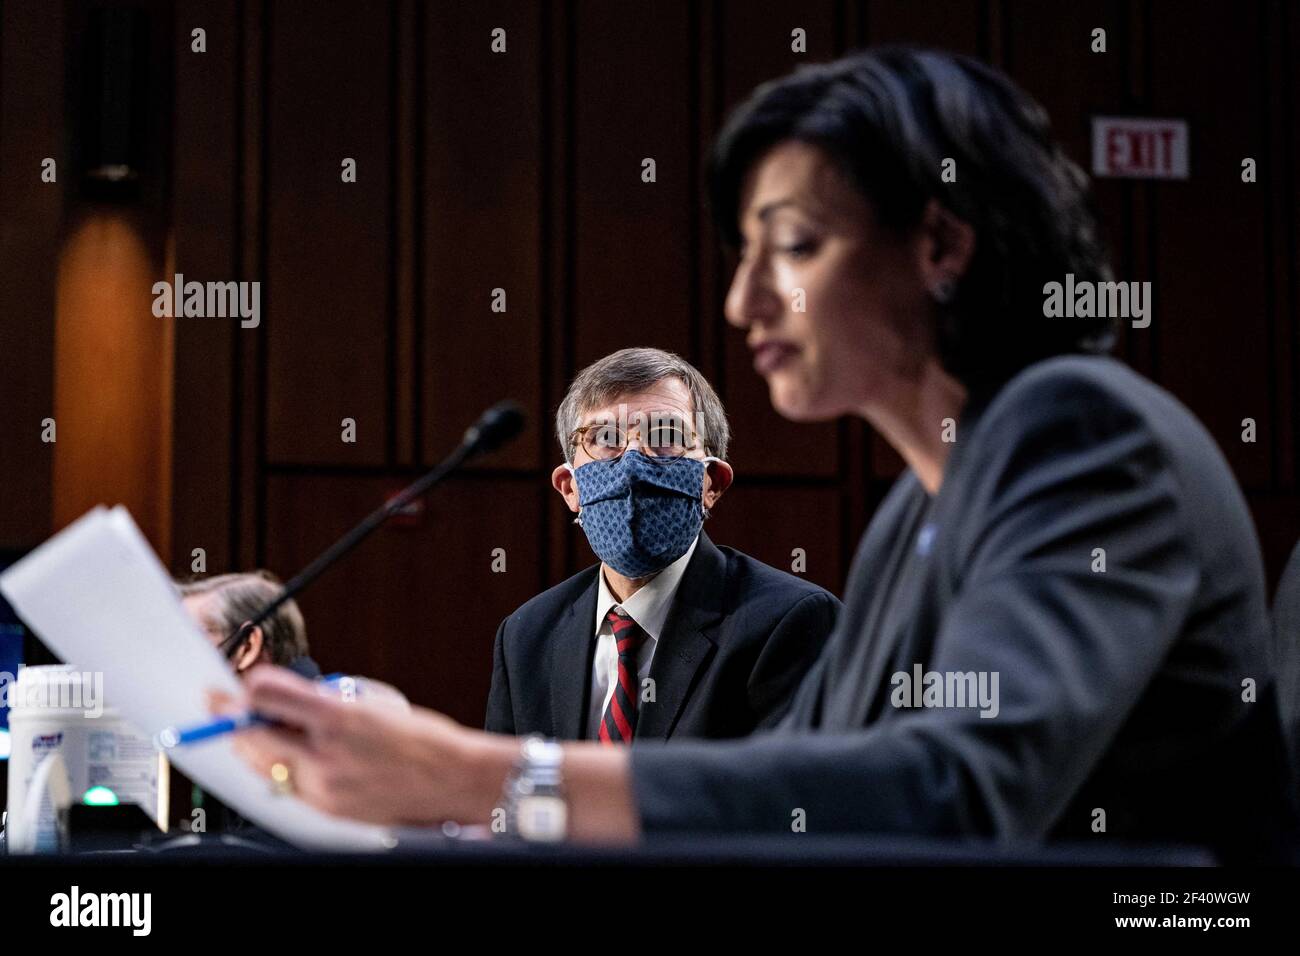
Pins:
x: 238, y: 598
x: 633, y: 370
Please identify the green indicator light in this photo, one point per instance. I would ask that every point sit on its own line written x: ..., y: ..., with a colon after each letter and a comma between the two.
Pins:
x: 100, y: 797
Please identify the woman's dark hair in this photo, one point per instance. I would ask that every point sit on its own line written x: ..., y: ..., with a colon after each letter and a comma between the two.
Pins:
x: 890, y: 117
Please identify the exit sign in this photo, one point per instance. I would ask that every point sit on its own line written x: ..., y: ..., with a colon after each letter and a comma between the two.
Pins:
x: 1134, y: 148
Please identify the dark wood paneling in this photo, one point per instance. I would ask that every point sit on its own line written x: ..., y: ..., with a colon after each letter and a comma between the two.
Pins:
x: 631, y: 100
x: 1049, y: 52
x: 31, y: 128
x: 555, y: 67
x: 328, y: 296
x: 1211, y: 318
x: 955, y: 25
x: 1138, y: 255
x: 417, y: 606
x: 481, y: 221
x: 769, y: 521
x: 204, y: 204
x: 408, y: 140
x: 250, y: 411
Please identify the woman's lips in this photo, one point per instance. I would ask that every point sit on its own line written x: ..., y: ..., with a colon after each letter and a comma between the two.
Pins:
x: 770, y: 356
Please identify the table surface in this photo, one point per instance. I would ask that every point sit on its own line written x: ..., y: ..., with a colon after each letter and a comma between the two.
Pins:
x: 422, y: 847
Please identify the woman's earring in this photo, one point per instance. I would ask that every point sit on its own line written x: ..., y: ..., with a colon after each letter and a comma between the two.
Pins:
x: 941, y: 291
x: 578, y: 520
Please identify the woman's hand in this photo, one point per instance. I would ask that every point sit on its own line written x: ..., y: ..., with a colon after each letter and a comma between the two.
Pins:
x: 367, y: 760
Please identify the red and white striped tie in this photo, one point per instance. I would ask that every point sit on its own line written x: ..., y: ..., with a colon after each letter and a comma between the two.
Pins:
x: 619, y: 723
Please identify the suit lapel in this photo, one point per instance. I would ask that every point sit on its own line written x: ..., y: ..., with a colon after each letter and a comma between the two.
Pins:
x: 572, y: 647
x: 686, y: 643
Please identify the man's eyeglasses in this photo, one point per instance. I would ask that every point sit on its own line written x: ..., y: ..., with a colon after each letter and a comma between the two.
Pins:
x: 233, y: 642
x: 666, y: 437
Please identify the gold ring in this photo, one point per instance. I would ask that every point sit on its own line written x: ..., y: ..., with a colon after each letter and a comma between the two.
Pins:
x: 281, y: 780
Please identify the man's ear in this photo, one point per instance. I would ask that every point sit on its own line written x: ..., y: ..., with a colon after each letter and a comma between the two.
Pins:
x: 945, y: 249
x: 250, y: 651
x: 562, y: 481
x: 718, y: 476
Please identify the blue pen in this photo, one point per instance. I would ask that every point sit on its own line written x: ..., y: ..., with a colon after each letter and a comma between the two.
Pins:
x: 178, y: 737
x: 172, y: 737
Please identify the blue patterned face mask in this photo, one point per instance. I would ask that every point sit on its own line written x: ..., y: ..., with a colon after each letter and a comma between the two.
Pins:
x: 641, y: 515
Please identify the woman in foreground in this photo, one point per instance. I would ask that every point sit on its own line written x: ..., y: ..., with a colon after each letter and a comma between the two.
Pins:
x: 1055, y: 625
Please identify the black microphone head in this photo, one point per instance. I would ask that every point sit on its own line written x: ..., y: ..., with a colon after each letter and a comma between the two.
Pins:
x: 500, y: 423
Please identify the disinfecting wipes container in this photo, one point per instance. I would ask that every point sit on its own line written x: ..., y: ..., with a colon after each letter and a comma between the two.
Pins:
x: 60, y: 710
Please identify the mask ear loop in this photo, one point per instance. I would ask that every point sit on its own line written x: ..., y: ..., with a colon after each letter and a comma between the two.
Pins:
x: 577, y: 519
x: 704, y: 512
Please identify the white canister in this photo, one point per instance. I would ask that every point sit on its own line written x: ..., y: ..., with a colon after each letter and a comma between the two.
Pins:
x: 60, y: 709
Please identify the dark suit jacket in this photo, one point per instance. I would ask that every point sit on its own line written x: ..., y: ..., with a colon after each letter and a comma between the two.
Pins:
x: 738, y: 639
x: 1140, y: 697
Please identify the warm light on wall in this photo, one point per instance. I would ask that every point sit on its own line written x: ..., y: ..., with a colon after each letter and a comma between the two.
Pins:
x: 112, y: 375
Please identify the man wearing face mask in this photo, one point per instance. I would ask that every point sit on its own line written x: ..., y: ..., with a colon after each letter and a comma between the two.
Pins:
x: 670, y: 636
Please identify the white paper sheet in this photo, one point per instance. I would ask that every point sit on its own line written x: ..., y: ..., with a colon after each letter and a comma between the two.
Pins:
x: 97, y: 595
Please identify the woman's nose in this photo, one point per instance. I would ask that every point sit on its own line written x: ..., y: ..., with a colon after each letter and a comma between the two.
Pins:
x: 751, y: 298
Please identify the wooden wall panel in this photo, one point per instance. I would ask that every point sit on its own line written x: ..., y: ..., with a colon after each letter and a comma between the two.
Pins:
x: 955, y: 25
x: 204, y: 202
x: 632, y: 268
x: 768, y: 521
x: 1049, y: 52
x: 1212, y: 316
x: 328, y: 298
x: 481, y: 223
x: 31, y: 128
x: 416, y: 605
x: 250, y: 411
x: 556, y: 60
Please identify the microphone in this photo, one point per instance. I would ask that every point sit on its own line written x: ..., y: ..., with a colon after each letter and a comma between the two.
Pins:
x: 498, y: 425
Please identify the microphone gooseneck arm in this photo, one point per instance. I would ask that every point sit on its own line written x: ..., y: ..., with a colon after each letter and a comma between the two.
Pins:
x: 497, y: 425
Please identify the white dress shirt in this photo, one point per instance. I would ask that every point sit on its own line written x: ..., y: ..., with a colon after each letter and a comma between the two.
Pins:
x: 649, y: 607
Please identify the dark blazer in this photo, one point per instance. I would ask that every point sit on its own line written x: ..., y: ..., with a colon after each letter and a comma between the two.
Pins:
x: 1136, y: 703
x: 738, y: 639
